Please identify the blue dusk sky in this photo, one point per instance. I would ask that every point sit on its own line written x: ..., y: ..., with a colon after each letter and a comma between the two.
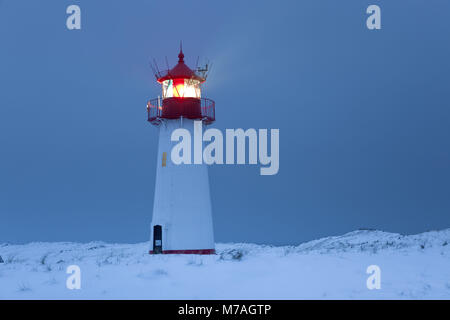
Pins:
x: 364, y: 116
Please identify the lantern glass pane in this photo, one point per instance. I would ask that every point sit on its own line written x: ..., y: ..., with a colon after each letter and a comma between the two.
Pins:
x: 183, y: 88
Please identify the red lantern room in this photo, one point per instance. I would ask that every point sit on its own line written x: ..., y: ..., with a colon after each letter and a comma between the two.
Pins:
x: 181, y: 96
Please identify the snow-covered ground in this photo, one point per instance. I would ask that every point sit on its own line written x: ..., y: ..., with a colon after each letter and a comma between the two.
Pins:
x: 412, y: 267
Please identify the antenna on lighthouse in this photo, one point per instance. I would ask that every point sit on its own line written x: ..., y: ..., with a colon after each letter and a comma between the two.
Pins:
x: 167, y: 63
x: 155, y: 69
x: 203, y: 71
x: 155, y: 73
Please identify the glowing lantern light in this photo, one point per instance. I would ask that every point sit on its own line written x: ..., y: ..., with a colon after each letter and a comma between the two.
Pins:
x: 178, y: 90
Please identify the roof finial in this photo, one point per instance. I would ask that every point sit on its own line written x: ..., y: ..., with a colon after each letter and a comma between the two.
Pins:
x: 181, y: 55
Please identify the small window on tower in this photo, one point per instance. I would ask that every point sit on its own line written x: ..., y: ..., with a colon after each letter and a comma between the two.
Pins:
x: 164, y: 159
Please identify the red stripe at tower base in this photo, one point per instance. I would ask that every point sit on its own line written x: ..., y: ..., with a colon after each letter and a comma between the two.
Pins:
x: 196, y: 251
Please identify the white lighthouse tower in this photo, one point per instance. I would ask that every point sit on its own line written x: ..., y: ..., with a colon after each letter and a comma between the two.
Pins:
x: 182, y: 217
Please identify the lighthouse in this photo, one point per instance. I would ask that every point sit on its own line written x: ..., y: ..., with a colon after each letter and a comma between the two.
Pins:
x: 182, y: 214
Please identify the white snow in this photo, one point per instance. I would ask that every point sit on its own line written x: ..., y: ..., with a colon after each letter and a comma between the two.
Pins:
x: 412, y: 267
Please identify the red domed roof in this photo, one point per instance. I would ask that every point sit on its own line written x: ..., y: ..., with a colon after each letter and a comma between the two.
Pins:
x: 181, y: 71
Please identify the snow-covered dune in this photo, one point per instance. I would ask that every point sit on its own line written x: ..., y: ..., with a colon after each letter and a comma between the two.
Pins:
x: 412, y: 267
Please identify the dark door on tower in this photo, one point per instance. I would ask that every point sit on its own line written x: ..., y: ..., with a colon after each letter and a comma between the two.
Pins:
x: 157, y: 239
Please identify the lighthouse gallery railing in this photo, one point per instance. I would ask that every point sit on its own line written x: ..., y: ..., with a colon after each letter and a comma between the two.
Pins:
x: 155, y: 110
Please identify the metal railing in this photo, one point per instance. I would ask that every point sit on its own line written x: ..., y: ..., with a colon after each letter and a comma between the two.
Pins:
x: 208, y: 110
x: 155, y: 110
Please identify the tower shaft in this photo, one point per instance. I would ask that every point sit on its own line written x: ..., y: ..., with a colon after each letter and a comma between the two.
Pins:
x: 182, y: 215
